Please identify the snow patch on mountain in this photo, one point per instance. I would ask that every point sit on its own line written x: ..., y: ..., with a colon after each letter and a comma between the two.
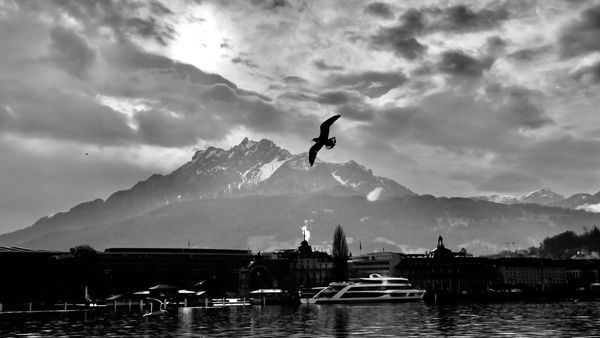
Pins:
x: 506, y: 199
x: 542, y: 196
x: 339, y: 178
x: 269, y: 168
x: 347, y: 182
x: 374, y: 195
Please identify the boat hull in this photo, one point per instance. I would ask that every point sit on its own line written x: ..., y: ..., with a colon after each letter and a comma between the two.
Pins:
x: 361, y: 300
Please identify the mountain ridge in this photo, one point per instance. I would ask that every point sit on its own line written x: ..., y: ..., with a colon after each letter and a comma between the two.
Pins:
x: 242, y: 170
x: 257, y: 195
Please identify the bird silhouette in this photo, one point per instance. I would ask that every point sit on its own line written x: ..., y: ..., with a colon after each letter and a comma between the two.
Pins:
x: 322, y: 140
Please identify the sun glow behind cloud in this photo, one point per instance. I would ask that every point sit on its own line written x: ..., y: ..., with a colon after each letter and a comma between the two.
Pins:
x: 199, y: 41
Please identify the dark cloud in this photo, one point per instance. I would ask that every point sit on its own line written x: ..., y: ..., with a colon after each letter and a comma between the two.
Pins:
x: 459, y: 64
x: 379, y: 9
x: 372, y: 84
x: 129, y: 57
x: 158, y: 8
x: 149, y: 28
x: 295, y: 96
x: 221, y: 92
x: 321, y: 65
x: 458, y: 119
x: 494, y: 45
x: 218, y: 109
x: 402, y: 38
x: 295, y: 80
x: 162, y: 128
x: 520, y: 111
x: 356, y: 112
x: 336, y: 97
x: 270, y: 4
x: 591, y: 72
x: 249, y: 63
x: 348, y: 103
x: 581, y: 36
x: 461, y: 18
x: 530, y: 54
x: 71, y: 52
x: 57, y: 114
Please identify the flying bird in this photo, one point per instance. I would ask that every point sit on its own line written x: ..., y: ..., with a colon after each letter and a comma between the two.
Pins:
x: 322, y: 140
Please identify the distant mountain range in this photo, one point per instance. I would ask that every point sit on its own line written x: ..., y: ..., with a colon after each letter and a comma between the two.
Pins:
x: 545, y: 196
x: 257, y: 195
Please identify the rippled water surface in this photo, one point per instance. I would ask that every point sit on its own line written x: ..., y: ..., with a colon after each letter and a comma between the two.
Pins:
x: 565, y: 319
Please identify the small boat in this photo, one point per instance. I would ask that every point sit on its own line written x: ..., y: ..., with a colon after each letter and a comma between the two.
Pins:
x: 375, y: 288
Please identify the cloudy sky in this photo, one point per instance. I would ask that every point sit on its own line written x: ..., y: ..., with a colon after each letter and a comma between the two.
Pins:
x: 448, y: 98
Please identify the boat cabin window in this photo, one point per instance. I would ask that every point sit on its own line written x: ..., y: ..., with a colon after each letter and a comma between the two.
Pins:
x: 330, y: 291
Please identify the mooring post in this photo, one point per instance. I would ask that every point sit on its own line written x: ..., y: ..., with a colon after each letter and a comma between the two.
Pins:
x: 130, y: 305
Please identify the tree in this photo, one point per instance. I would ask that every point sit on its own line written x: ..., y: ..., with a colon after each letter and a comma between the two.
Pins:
x: 85, y: 272
x: 339, y: 251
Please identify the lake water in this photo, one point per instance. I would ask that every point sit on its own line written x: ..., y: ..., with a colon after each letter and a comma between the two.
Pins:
x: 564, y: 319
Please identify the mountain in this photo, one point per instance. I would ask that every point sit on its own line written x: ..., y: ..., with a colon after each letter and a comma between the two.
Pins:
x: 499, y: 198
x: 580, y: 201
x: 543, y: 196
x: 249, y: 168
x: 257, y: 195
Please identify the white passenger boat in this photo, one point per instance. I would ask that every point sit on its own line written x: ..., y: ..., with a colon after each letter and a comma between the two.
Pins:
x: 375, y: 288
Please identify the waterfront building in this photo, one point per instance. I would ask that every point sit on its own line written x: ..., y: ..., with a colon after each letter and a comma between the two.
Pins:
x: 287, y: 269
x: 582, y: 273
x: 444, y: 271
x: 381, y: 263
x: 530, y: 273
x: 127, y: 269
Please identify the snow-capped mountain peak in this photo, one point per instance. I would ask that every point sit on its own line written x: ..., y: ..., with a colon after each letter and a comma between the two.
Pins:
x: 263, y: 167
x: 542, y: 196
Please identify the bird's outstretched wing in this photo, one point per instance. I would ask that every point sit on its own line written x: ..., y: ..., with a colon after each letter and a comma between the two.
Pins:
x: 312, y: 153
x: 325, y: 126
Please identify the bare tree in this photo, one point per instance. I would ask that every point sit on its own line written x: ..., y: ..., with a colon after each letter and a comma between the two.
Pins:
x: 340, y: 255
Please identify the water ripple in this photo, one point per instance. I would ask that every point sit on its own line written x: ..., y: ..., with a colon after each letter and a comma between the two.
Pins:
x: 566, y: 319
